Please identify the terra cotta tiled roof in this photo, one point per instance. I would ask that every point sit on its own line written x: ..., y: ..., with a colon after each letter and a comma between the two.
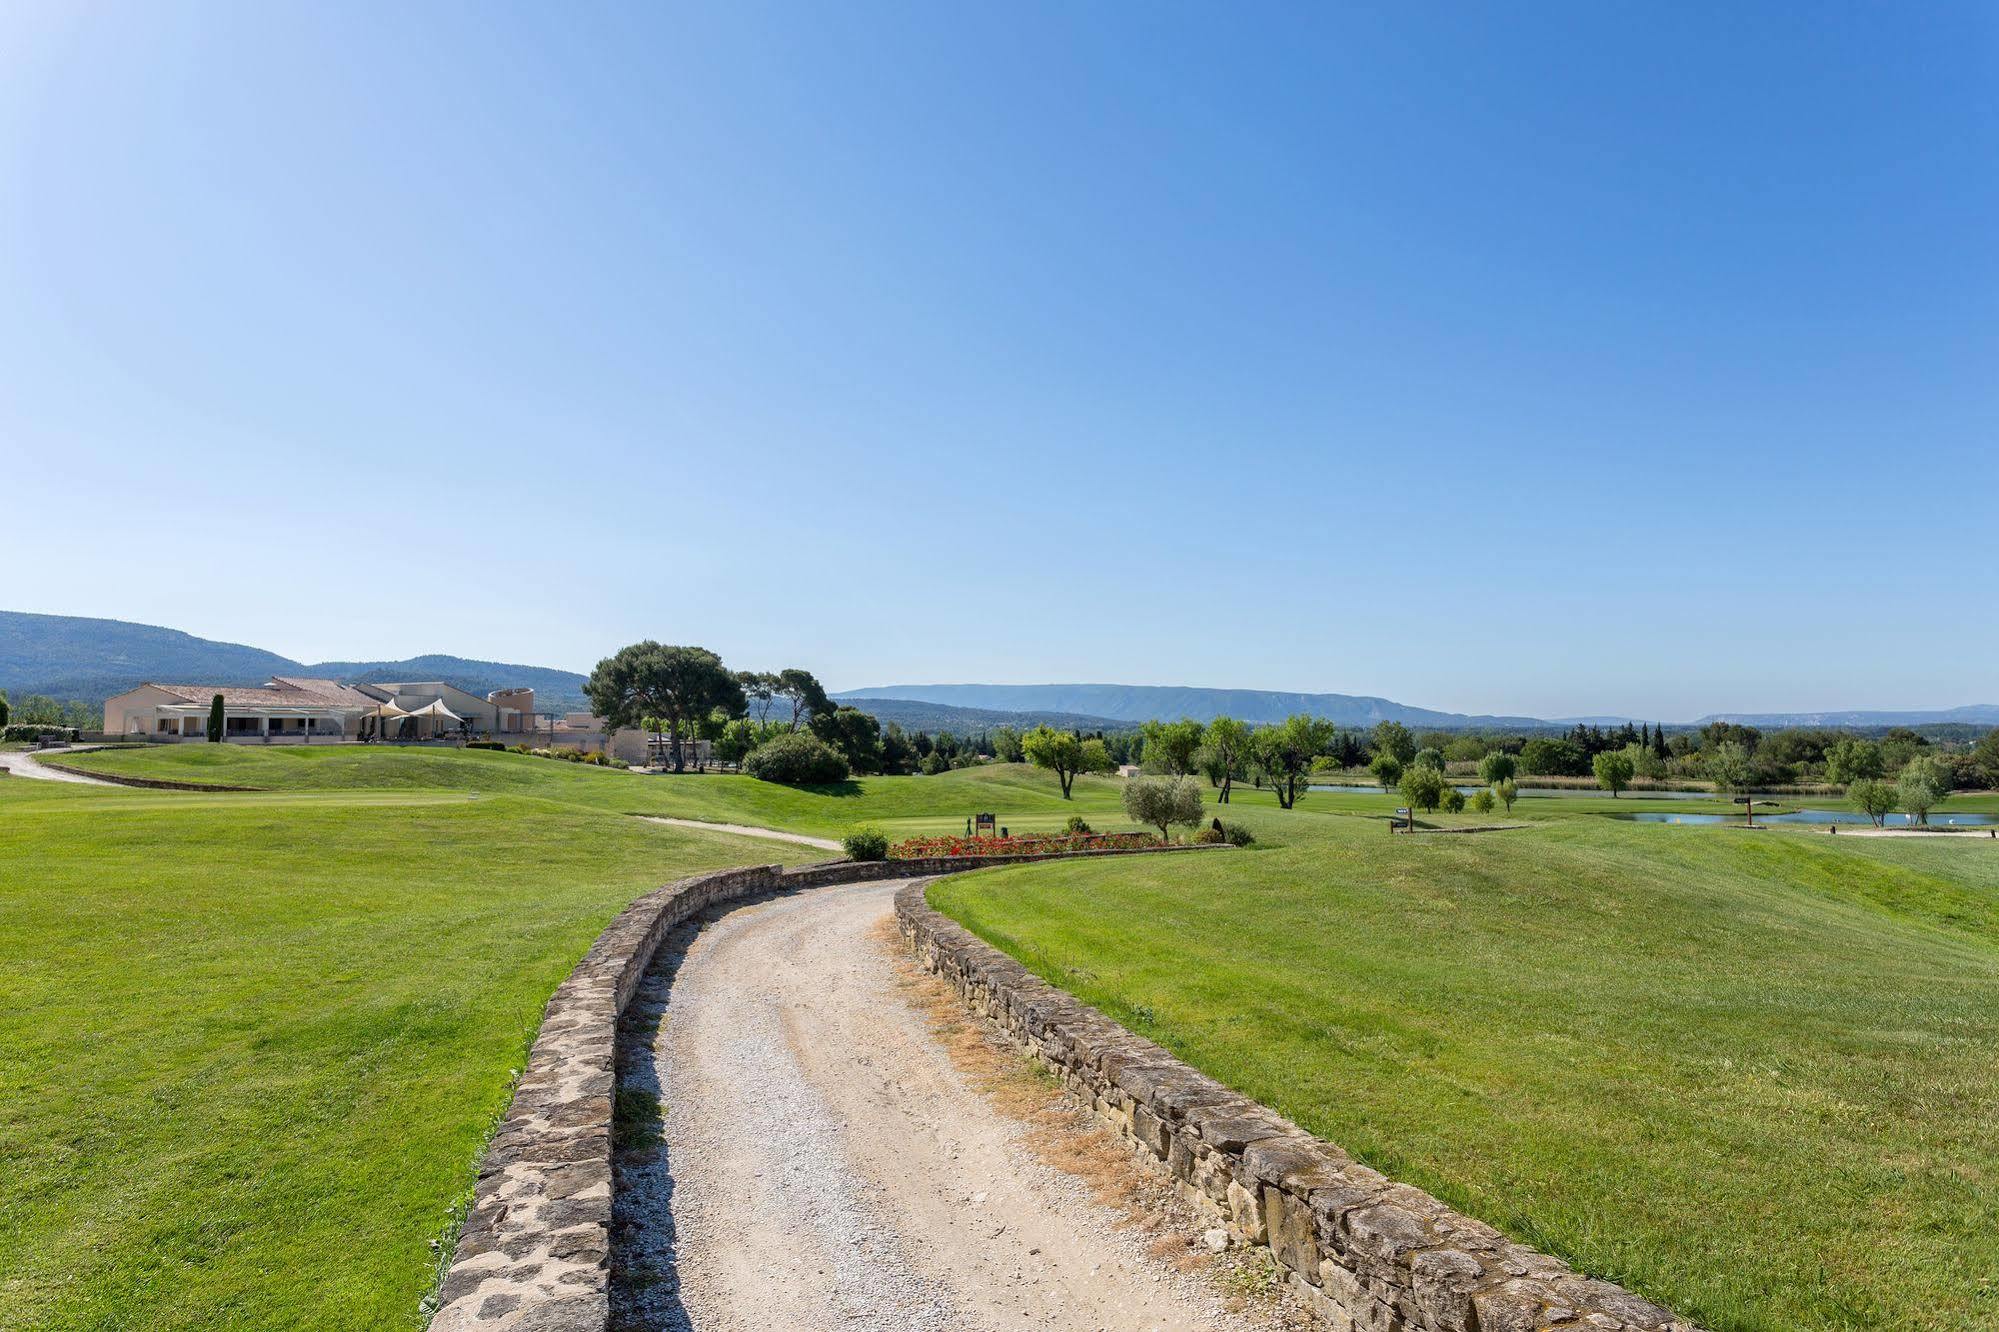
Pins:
x: 282, y: 692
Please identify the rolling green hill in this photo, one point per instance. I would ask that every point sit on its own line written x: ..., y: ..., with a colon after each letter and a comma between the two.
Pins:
x: 73, y: 657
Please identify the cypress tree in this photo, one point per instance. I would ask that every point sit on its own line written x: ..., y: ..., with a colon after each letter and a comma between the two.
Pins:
x: 4, y: 711
x: 215, y: 721
x: 1659, y: 740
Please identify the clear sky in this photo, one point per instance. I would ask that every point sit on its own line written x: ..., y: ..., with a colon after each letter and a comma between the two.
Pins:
x: 1556, y: 358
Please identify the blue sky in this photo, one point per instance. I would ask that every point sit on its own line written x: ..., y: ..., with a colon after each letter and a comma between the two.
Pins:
x: 1550, y: 359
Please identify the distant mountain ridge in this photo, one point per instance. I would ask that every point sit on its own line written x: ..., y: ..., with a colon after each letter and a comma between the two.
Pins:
x: 1975, y: 714
x: 914, y: 715
x: 75, y: 657
x: 1127, y: 705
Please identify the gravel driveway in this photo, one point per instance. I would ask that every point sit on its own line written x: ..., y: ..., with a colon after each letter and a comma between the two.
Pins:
x: 22, y: 763
x: 824, y: 1165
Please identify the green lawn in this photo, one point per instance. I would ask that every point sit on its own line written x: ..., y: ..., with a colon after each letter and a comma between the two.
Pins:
x: 1750, y: 1075
x: 252, y: 1045
x: 1030, y: 799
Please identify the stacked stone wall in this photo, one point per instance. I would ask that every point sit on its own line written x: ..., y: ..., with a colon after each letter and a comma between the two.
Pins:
x: 534, y: 1252
x: 1364, y: 1253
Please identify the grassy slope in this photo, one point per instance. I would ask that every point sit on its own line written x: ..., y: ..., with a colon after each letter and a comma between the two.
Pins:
x: 252, y: 1045
x: 1023, y: 799
x: 1689, y: 1058
x: 1030, y: 798
x: 1748, y: 1074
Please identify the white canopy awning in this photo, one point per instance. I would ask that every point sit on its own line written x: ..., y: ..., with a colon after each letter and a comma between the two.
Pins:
x: 390, y: 711
x: 434, y: 709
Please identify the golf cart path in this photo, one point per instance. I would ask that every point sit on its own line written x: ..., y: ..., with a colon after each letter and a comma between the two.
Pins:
x: 746, y: 830
x: 825, y: 1165
x: 22, y: 763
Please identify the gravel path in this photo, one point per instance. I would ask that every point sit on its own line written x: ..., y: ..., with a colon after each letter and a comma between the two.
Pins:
x: 22, y: 763
x: 746, y: 830
x: 821, y: 1163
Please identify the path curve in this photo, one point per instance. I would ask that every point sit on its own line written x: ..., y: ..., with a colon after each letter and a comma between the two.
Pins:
x: 824, y: 1164
x: 746, y: 830
x: 22, y: 763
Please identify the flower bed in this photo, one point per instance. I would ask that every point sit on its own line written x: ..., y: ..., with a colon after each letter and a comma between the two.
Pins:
x: 925, y: 848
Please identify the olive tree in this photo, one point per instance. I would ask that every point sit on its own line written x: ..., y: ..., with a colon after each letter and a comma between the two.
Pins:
x: 1227, y: 743
x: 1873, y: 797
x: 1162, y: 802
x: 1387, y: 769
x: 1064, y: 755
x: 1613, y: 770
x: 1508, y: 791
x: 1170, y: 746
x: 1286, y: 751
x: 1923, y: 785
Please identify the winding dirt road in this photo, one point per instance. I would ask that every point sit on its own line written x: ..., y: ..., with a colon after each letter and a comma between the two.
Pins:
x: 746, y: 830
x: 821, y: 1163
x: 22, y: 763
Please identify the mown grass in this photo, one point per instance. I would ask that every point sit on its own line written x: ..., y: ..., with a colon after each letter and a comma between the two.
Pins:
x: 1750, y: 1075
x: 252, y: 1045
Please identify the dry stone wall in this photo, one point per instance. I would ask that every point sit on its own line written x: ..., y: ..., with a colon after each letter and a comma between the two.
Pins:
x: 534, y: 1252
x: 1366, y: 1254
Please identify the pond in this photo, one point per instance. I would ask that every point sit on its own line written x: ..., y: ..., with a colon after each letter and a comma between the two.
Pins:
x: 1843, y: 817
x: 1572, y: 792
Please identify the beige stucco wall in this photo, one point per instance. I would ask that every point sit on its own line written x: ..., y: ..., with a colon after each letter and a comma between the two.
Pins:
x: 138, y: 703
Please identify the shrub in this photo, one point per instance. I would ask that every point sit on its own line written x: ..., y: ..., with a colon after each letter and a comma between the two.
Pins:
x: 796, y: 758
x: 1237, y: 834
x: 31, y: 731
x: 864, y: 841
x: 1423, y: 788
x: 1483, y: 801
x: 925, y: 848
x: 484, y: 744
x: 1076, y: 824
x: 1209, y: 837
x: 1554, y: 758
x: 519, y: 749
x: 1454, y: 801
x: 1162, y: 802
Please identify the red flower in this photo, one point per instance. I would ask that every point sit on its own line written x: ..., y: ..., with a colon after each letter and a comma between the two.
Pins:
x: 927, y: 848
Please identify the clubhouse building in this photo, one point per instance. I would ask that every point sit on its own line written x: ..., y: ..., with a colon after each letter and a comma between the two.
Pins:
x: 298, y: 709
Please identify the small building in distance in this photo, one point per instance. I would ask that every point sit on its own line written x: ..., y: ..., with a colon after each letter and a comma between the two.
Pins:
x: 296, y: 708
x: 288, y: 706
